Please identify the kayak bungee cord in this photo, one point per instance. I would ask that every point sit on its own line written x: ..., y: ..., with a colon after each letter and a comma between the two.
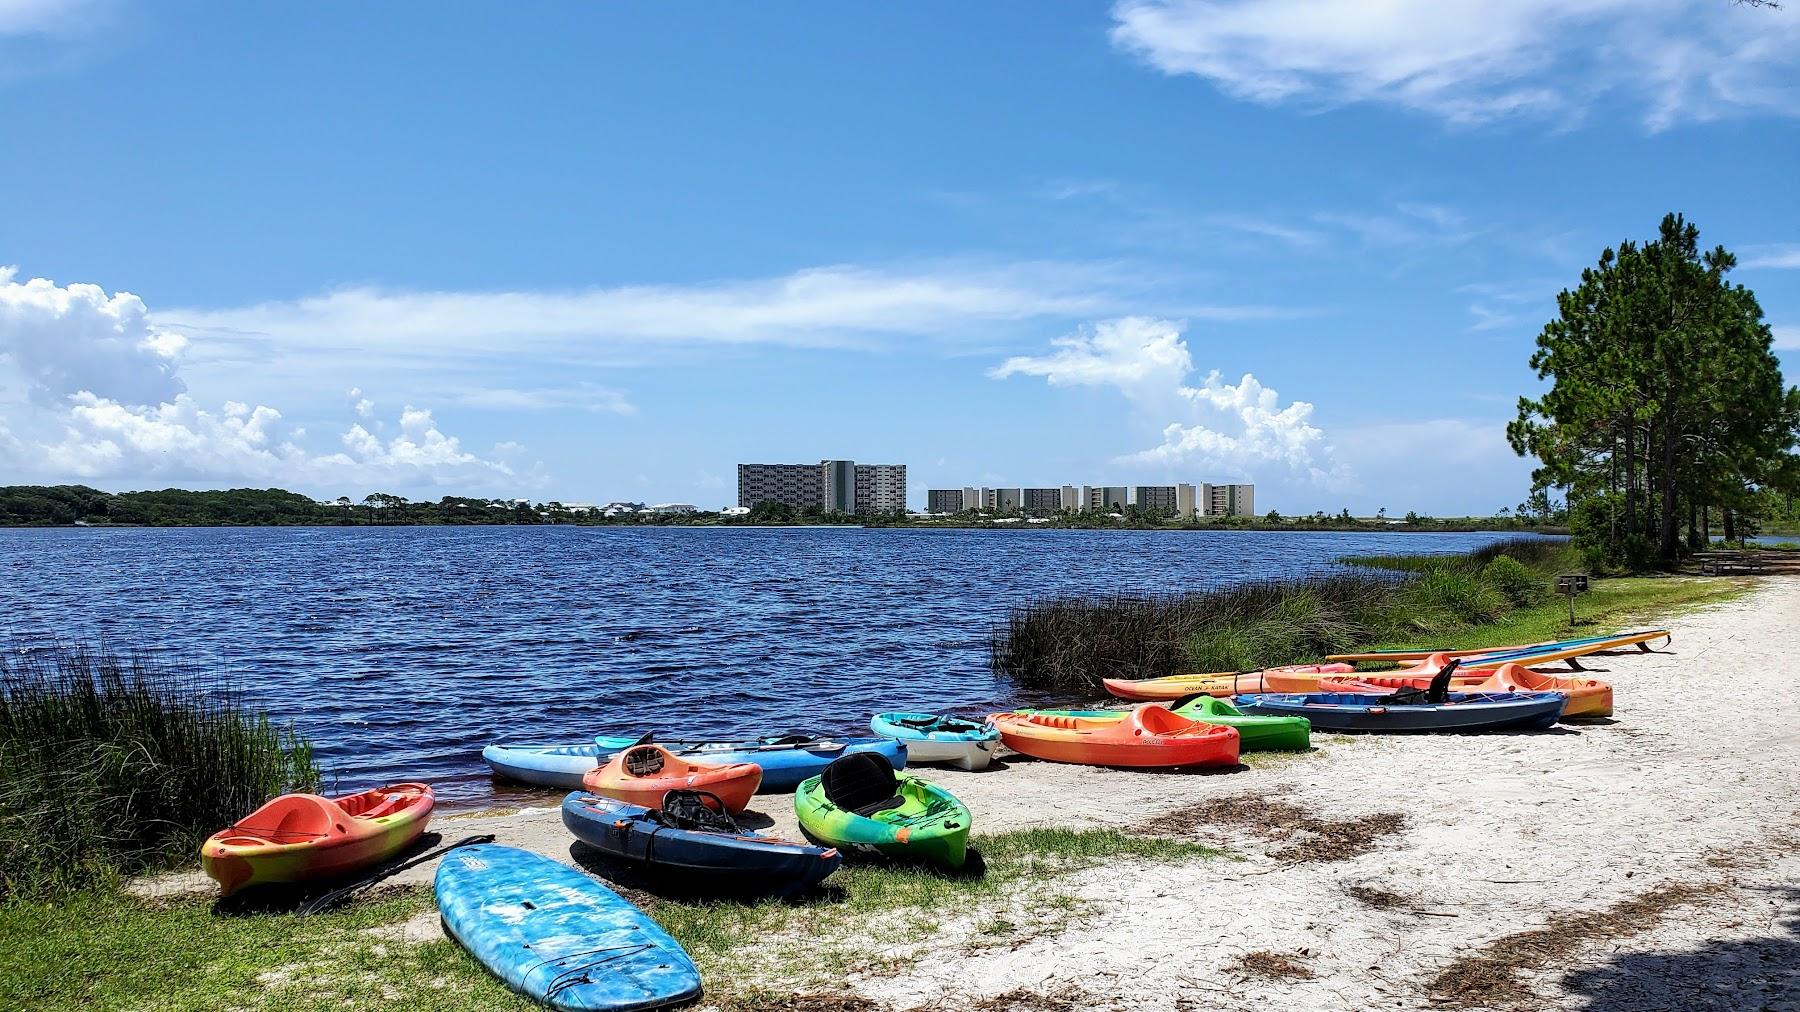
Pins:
x: 336, y: 897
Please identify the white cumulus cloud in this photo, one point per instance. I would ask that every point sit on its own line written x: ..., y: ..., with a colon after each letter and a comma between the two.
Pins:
x: 64, y: 340
x: 1241, y: 427
x: 103, y: 400
x: 1677, y: 60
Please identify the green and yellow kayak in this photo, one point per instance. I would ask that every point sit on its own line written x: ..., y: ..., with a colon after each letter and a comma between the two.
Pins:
x: 1255, y: 733
x: 859, y: 805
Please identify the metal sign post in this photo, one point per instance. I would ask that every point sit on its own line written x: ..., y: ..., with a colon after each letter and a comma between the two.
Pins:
x: 1572, y: 584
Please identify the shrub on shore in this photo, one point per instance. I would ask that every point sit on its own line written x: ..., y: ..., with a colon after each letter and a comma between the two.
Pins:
x: 1069, y: 644
x: 116, y: 765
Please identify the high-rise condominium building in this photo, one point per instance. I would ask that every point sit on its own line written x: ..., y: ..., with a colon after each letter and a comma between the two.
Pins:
x: 1228, y: 500
x: 1154, y: 497
x: 880, y: 488
x: 945, y: 500
x: 841, y: 486
x: 1107, y: 498
x: 1041, y: 502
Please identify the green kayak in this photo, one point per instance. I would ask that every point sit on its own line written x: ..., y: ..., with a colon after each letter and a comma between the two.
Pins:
x: 859, y: 805
x: 1255, y: 733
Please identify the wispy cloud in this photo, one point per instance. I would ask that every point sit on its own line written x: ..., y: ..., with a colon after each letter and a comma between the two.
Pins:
x: 1780, y: 256
x: 840, y: 306
x: 1678, y: 61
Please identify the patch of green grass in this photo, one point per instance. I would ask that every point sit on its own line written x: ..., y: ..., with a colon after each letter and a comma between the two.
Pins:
x: 102, y: 950
x: 1612, y: 603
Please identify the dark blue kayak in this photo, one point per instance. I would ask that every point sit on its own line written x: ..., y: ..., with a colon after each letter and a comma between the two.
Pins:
x: 703, y: 845
x: 557, y: 936
x: 1460, y: 711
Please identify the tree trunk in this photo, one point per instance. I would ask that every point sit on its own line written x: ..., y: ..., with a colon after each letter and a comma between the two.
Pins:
x: 1693, y: 526
x: 1631, y: 500
x: 1730, y: 524
x: 1706, y: 525
x: 1670, y: 548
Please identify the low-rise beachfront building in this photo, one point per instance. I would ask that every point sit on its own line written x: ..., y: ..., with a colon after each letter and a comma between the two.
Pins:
x: 1182, y: 500
x: 673, y: 507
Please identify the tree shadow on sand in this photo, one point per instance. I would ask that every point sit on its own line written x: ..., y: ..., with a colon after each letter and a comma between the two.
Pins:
x: 1754, y: 973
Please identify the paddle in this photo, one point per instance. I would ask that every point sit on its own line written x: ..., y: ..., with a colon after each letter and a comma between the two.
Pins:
x: 337, y: 897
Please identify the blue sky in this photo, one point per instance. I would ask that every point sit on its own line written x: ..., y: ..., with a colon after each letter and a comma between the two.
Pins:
x: 607, y: 251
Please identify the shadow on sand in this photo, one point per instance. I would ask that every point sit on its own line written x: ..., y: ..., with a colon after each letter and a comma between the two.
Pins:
x: 1754, y: 973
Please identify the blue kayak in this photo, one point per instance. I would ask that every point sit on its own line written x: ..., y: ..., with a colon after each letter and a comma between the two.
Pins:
x: 785, y: 760
x: 557, y: 936
x: 1460, y: 711
x: 689, y: 838
x: 929, y: 738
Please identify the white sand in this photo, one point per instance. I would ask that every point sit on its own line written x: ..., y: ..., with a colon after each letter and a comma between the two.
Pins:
x: 1504, y: 832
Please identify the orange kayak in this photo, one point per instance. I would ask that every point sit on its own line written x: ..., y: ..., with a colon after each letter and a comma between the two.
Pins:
x: 1587, y: 697
x: 1566, y: 648
x: 1150, y: 736
x: 1220, y: 683
x: 306, y: 837
x: 642, y: 774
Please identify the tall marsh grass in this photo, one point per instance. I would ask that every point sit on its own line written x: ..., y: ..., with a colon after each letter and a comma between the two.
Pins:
x: 111, y: 765
x: 1068, y: 644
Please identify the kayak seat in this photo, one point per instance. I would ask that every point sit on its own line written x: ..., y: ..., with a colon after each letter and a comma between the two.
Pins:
x: 644, y: 762
x: 862, y: 782
x: 292, y: 818
x: 698, y: 811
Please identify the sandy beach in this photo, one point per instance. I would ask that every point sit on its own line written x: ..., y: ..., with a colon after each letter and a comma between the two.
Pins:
x: 1645, y: 862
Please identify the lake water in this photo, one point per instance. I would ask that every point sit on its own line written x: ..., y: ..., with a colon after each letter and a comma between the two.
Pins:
x: 402, y: 651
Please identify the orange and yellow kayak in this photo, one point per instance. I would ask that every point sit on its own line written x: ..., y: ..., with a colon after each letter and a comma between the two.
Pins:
x: 1218, y: 683
x: 1149, y: 736
x: 306, y: 837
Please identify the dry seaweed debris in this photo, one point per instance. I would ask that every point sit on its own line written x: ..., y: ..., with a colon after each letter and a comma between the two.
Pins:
x: 775, y: 1001
x: 1021, y: 1000
x: 1312, y: 838
x: 1379, y: 898
x: 1273, y: 965
x: 1491, y: 977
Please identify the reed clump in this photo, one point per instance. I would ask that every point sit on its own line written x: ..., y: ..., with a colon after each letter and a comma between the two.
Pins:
x: 116, y: 764
x: 1068, y: 644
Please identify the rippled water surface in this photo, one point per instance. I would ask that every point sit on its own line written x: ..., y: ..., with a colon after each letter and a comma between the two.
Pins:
x: 402, y: 651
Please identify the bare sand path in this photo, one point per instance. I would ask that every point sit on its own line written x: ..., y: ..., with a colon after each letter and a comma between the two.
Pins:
x: 1649, y: 862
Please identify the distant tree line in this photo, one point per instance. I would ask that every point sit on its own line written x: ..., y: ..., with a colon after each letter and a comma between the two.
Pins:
x: 1667, y: 409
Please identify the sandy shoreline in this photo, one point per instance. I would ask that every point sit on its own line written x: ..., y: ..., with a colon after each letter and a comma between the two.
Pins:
x: 1681, y: 819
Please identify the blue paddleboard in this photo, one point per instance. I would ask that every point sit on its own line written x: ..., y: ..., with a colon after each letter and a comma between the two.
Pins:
x: 557, y: 936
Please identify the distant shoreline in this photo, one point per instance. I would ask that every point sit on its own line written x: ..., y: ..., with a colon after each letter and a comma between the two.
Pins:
x: 1448, y: 527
